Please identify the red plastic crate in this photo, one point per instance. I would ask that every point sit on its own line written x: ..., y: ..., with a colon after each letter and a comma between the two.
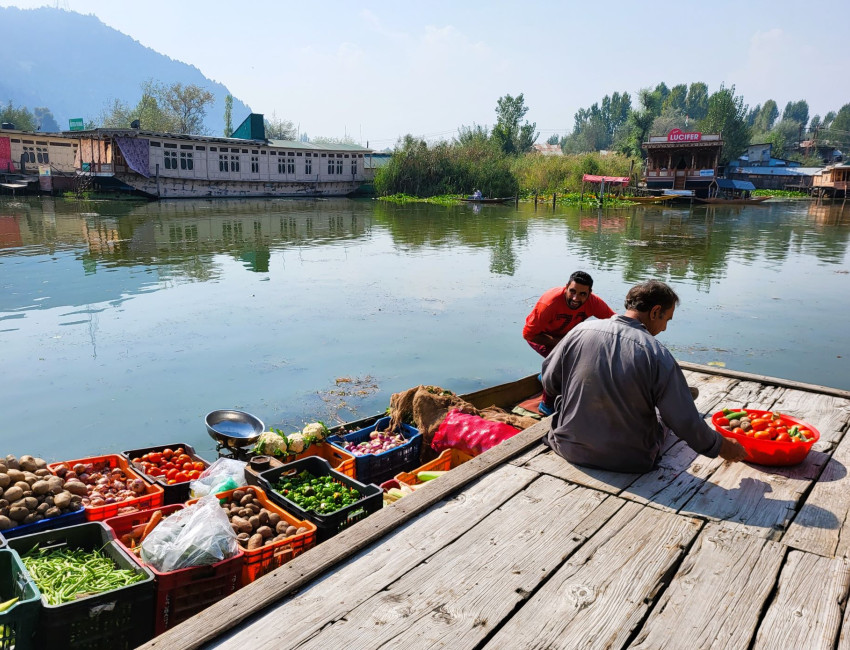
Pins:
x: 185, y: 592
x: 152, y: 498
x: 448, y: 459
x: 259, y: 562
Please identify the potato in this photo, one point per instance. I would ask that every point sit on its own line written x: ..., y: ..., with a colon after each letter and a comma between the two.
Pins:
x: 31, y: 502
x: 3, y: 467
x: 243, y: 538
x: 40, y: 463
x: 27, y: 464
x: 13, y: 493
x: 5, y: 480
x: 3, y: 504
x: 291, y: 530
x: 6, y: 523
x: 40, y: 487
x: 62, y: 500
x: 237, y: 495
x: 48, y: 499
x: 273, y: 519
x: 245, y: 500
x: 56, y: 484
x: 264, y: 517
x: 265, y: 531
x: 42, y: 508
x: 255, y: 542
x: 43, y: 473
x: 303, y: 529
x: 254, y: 520
x: 18, y: 513
x: 242, y: 525
x: 77, y: 487
x: 281, y: 527
x: 11, y: 462
x: 32, y: 517
x: 245, y: 513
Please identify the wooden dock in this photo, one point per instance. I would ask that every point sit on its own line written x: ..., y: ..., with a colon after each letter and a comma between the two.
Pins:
x: 519, y: 549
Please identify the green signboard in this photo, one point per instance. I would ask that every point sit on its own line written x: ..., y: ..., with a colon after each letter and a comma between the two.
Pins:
x: 76, y: 124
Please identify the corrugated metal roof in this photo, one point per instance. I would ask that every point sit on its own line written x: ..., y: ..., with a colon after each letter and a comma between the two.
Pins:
x: 314, y: 146
x: 729, y: 184
x: 778, y: 171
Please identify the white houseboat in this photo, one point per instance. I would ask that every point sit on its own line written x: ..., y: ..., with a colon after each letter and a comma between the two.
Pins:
x: 167, y: 165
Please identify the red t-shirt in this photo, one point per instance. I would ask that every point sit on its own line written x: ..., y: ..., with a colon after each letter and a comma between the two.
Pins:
x: 551, y: 315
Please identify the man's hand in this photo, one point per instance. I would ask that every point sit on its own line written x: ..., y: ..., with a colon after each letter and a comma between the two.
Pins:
x: 731, y: 449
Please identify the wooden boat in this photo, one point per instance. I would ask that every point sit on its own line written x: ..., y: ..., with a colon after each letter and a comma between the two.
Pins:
x: 469, y: 199
x: 648, y: 199
x: 754, y: 200
x: 517, y: 548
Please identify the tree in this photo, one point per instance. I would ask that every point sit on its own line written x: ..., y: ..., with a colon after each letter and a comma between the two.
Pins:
x: 827, y: 119
x: 228, y: 116
x: 841, y: 122
x: 797, y: 111
x: 45, y: 120
x: 727, y: 115
x: 188, y: 104
x: 697, y: 101
x: 21, y: 117
x: 553, y: 139
x: 814, y: 122
x: 784, y: 137
x: 473, y: 135
x: 677, y: 99
x: 670, y: 118
x: 510, y: 136
x: 766, y: 117
x: 279, y: 129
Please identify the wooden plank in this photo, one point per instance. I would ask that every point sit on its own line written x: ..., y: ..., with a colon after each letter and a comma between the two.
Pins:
x: 806, y: 610
x: 758, y: 500
x: 830, y: 415
x: 822, y: 524
x: 458, y: 596
x: 752, y: 395
x: 715, y: 598
x: 255, y: 597
x: 596, y: 479
x: 605, y: 589
x: 764, y: 379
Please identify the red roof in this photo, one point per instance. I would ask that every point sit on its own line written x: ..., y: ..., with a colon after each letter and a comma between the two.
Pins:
x: 611, y: 180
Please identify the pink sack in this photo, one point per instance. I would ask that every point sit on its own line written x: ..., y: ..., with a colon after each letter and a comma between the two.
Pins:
x: 470, y: 433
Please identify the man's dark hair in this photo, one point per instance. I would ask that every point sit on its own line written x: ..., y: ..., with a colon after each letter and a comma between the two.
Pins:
x: 646, y: 295
x: 580, y: 277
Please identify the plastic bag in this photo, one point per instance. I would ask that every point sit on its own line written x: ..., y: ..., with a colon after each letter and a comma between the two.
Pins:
x: 224, y: 474
x: 197, y: 535
x: 470, y: 433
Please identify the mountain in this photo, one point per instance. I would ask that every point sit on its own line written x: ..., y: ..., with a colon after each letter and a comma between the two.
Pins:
x: 74, y: 64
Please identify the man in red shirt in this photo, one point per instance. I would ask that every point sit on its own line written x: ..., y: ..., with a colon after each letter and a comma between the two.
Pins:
x: 557, y: 312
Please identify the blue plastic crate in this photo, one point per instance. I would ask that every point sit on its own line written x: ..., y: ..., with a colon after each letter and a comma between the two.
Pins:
x: 377, y: 468
x: 51, y: 523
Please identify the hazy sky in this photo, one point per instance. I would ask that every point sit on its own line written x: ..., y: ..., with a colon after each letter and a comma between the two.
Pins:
x: 378, y: 70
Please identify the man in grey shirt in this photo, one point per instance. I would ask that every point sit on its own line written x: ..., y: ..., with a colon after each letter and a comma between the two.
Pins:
x: 615, y: 385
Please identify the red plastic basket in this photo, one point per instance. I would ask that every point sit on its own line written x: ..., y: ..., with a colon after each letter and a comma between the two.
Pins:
x: 185, y: 592
x: 152, y: 498
x: 258, y: 562
x: 448, y: 459
x: 770, y: 452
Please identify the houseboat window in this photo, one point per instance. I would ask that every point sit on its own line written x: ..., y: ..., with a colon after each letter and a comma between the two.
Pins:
x: 281, y: 166
x: 290, y: 166
x: 255, y: 164
x: 155, y: 144
x: 170, y: 145
x: 243, y: 151
x: 41, y: 143
x: 61, y: 144
x: 298, y: 154
x: 308, y: 154
x: 263, y: 153
x: 330, y: 166
x: 308, y: 165
x: 339, y: 165
x: 346, y: 155
x: 254, y: 151
x: 213, y: 148
x: 171, y: 160
x: 222, y: 163
x: 187, y: 160
x: 353, y: 166
x: 200, y: 148
x: 289, y: 153
x: 28, y: 154
x: 27, y: 141
x: 185, y: 146
x: 234, y: 163
x: 324, y: 154
x: 15, y: 140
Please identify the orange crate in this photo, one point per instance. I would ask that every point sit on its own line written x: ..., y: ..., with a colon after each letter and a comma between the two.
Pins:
x: 259, y: 562
x: 448, y: 459
x: 339, y: 459
x: 182, y: 593
x: 153, y: 497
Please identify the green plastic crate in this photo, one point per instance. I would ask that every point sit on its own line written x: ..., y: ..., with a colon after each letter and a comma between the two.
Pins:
x: 17, y: 624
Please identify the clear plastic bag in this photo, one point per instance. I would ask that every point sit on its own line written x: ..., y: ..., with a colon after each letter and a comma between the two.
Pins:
x: 197, y: 535
x: 224, y: 474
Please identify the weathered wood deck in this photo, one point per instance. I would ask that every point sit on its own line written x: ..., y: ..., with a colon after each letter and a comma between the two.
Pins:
x: 519, y: 549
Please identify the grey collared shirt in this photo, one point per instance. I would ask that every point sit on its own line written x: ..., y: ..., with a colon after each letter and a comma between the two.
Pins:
x: 609, y: 377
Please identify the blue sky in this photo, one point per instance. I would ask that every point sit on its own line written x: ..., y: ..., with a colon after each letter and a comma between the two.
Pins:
x: 378, y: 70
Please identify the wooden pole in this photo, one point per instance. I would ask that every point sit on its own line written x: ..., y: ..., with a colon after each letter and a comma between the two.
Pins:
x: 554, y: 199
x: 535, y: 199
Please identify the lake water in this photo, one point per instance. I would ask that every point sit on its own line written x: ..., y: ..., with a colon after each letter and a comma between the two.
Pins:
x: 123, y: 323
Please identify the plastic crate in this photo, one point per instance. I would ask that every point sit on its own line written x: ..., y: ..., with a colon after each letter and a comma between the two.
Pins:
x: 153, y: 497
x: 176, y: 492
x: 68, y: 519
x: 116, y: 619
x: 448, y: 459
x: 17, y: 624
x: 377, y: 468
x: 340, y: 460
x: 330, y: 524
x: 259, y: 562
x: 184, y: 592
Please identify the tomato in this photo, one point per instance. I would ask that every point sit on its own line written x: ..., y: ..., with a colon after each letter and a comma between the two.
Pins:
x: 759, y: 424
x: 773, y: 432
x: 723, y: 422
x: 155, y: 457
x: 781, y: 428
x: 783, y: 437
x: 146, y: 457
x: 739, y: 431
x: 183, y: 458
x: 762, y: 435
x: 199, y: 466
x: 167, y: 452
x: 179, y: 451
x: 193, y: 474
x: 805, y: 432
x: 188, y: 467
x: 170, y: 474
x: 171, y: 481
x: 153, y: 471
x: 181, y: 477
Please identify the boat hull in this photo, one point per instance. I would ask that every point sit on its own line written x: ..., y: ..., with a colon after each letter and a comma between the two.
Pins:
x: 754, y: 201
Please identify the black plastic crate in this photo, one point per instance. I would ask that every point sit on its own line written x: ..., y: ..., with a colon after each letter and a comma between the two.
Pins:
x: 176, y: 492
x: 377, y: 468
x: 332, y: 523
x: 17, y: 624
x: 118, y: 619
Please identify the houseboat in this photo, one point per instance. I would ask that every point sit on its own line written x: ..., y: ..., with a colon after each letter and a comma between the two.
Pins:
x: 832, y: 180
x: 169, y: 165
x: 30, y: 160
x: 682, y: 161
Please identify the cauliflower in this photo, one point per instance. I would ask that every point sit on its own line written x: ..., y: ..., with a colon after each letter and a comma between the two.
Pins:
x: 315, y: 431
x: 271, y: 443
x: 296, y: 443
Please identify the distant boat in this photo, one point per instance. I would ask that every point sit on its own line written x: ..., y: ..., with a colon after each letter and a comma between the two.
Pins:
x: 470, y: 199
x: 735, y: 201
x: 648, y: 199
